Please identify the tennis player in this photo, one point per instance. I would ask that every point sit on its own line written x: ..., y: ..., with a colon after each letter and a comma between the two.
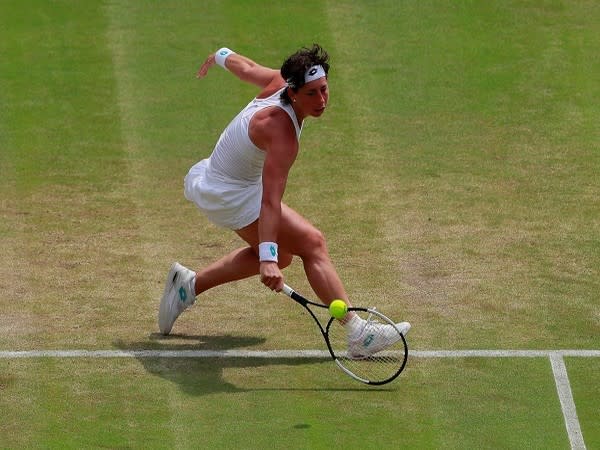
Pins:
x: 241, y: 186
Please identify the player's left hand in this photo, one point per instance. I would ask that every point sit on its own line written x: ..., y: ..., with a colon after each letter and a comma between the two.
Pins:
x: 208, y: 63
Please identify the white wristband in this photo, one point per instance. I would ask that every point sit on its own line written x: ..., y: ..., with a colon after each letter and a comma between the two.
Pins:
x: 267, y: 251
x: 221, y: 55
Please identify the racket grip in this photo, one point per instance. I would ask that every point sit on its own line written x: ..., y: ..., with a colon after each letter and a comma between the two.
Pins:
x: 287, y: 290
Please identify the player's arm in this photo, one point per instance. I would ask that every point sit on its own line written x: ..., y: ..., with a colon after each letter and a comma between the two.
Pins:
x: 276, y: 168
x: 242, y: 67
x: 273, y: 132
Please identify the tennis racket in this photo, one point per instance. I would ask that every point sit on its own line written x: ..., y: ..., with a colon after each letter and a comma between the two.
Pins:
x: 376, y: 356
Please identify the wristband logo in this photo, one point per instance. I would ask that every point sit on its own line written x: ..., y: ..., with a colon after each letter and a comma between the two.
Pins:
x: 273, y: 250
x: 223, y: 52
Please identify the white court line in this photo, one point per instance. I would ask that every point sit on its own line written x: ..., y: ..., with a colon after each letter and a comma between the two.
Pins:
x: 7, y: 354
x: 503, y: 353
x: 164, y: 354
x: 567, y: 403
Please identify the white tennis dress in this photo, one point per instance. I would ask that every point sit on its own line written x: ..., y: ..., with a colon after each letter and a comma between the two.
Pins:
x: 227, y: 186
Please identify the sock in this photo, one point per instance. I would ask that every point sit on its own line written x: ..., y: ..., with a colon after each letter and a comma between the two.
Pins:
x: 192, y: 286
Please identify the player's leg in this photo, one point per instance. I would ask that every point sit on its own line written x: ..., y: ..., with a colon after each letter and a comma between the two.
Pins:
x: 183, y: 285
x: 299, y: 237
x: 237, y: 265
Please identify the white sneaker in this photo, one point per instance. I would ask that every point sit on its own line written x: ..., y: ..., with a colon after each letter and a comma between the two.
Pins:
x: 178, y: 296
x: 375, y: 337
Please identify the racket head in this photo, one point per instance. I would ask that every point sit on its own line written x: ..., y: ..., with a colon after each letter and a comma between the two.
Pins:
x: 355, y: 357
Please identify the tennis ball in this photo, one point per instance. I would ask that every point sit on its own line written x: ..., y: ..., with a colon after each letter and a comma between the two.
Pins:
x: 338, y: 309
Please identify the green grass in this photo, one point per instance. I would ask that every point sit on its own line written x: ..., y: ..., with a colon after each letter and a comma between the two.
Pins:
x: 245, y: 403
x: 587, y: 396
x: 454, y: 175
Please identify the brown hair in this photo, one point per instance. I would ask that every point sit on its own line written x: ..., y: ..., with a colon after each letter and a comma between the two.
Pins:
x: 294, y: 68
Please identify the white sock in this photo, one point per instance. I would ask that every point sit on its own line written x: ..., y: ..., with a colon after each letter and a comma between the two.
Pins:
x: 192, y: 286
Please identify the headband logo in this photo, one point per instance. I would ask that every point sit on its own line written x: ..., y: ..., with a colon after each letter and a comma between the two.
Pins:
x: 314, y: 73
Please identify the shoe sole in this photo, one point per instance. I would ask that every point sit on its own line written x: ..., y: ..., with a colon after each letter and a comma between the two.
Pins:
x: 164, y: 302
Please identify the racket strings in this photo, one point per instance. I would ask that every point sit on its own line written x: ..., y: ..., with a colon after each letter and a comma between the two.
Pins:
x: 376, y: 355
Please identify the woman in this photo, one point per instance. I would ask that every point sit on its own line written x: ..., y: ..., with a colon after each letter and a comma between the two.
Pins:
x: 241, y: 185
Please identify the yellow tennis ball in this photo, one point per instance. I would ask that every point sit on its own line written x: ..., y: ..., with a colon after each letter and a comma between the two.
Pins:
x: 338, y: 309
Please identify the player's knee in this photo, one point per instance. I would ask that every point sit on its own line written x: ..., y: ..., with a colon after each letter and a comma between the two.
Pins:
x: 315, y: 243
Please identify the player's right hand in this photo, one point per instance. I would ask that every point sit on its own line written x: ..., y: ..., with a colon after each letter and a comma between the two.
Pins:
x: 271, y: 276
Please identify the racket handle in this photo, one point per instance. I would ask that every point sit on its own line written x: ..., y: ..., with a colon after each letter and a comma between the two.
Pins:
x: 287, y: 290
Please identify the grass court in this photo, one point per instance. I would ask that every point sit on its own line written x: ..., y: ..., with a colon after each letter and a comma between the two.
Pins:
x: 455, y: 175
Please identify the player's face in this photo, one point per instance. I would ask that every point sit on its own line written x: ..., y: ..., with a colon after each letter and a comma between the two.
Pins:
x: 313, y: 97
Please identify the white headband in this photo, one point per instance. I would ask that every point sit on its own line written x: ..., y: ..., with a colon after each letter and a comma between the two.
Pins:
x: 314, y: 73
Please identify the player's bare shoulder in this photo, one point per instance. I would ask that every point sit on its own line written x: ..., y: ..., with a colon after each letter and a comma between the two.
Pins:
x: 272, y: 125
